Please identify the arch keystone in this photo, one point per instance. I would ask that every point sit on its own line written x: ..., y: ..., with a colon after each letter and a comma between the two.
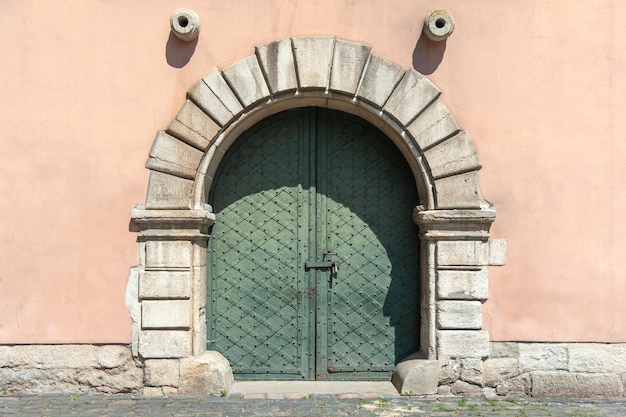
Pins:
x: 313, y: 60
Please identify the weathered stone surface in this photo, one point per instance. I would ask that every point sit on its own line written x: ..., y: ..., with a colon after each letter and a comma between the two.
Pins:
x: 51, y: 356
x: 276, y: 59
x: 208, y: 373
x: 133, y: 306
x: 459, y: 315
x: 596, y: 357
x: 575, y: 385
x: 416, y: 376
x: 519, y: 386
x: 464, y: 389
x: 193, y: 126
x: 69, y: 368
x: 379, y: 80
x: 450, y: 371
x: 412, y: 94
x: 160, y: 372
x: 165, y: 314
x: 152, y: 392
x: 114, y: 356
x: 432, y: 126
x: 462, y: 253
x: 215, y: 97
x: 472, y: 371
x: 453, y: 156
x: 463, y: 285
x: 497, y: 370
x: 349, y: 59
x: 164, y: 284
x: 542, y: 357
x: 167, y: 191
x: 313, y: 60
x: 164, y: 253
x: 172, y: 156
x: 463, y: 343
x: 164, y: 344
x: 497, y: 252
x: 458, y: 191
x: 504, y: 350
x: 246, y: 79
x: 130, y: 380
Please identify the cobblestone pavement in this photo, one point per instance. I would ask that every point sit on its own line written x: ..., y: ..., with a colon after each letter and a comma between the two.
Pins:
x: 310, y: 406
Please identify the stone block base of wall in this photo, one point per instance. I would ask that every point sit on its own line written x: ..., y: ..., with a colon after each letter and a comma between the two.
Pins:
x: 566, y: 370
x: 574, y: 370
x: 35, y: 369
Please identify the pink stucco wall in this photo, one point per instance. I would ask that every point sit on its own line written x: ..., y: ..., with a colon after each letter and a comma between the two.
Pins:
x: 540, y: 86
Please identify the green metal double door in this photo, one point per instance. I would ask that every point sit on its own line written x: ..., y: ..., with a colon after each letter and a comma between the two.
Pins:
x: 313, y: 260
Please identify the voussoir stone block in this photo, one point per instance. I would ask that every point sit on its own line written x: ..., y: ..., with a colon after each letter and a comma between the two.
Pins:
x: 208, y: 373
x: 164, y: 344
x: 576, y: 385
x: 215, y: 98
x: 168, y: 253
x: 453, y: 156
x: 459, y: 344
x: 167, y: 191
x: 172, y: 156
x: 164, y: 284
x: 246, y: 79
x: 165, y: 314
x: 463, y: 285
x: 432, y: 126
x: 458, y: 191
x: 379, y: 80
x: 193, y: 126
x: 410, y: 97
x: 349, y: 59
x: 276, y: 59
x: 459, y: 315
x: 313, y: 60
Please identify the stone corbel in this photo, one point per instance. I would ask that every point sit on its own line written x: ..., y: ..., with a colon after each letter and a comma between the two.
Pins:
x: 173, y: 223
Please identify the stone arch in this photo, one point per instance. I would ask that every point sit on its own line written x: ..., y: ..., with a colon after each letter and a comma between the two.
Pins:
x: 314, y: 71
x: 324, y: 72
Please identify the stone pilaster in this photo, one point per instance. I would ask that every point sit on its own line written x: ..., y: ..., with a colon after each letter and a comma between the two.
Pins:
x: 172, y: 262
x: 456, y: 280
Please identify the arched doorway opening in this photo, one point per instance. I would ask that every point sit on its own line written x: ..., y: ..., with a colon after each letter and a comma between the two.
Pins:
x: 313, y: 268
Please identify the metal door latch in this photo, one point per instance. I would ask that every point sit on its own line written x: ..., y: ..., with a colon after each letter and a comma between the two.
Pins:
x: 327, y: 263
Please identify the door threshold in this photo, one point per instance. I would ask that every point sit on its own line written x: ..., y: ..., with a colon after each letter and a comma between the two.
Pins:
x: 303, y: 389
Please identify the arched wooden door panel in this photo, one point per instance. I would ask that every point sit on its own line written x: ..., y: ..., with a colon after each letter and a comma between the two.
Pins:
x: 299, y: 191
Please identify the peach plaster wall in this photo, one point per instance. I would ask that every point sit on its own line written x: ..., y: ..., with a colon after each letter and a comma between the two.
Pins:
x: 540, y: 86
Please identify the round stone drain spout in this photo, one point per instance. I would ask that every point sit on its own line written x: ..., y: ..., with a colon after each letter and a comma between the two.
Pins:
x: 185, y: 24
x: 438, y: 25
